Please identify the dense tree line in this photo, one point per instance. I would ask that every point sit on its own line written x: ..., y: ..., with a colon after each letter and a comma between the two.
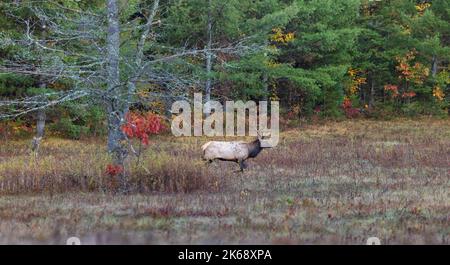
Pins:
x: 327, y: 58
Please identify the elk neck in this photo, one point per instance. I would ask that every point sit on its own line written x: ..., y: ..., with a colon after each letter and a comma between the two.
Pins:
x: 254, y: 148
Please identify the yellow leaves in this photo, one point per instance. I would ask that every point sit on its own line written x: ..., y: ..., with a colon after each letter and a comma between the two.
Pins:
x: 361, y: 80
x: 356, y: 80
x: 411, y: 55
x: 438, y: 93
x: 142, y: 93
x: 272, y: 63
x: 289, y: 37
x: 420, y: 73
x: 425, y: 70
x: 406, y: 30
x: 157, y: 104
x: 352, y: 72
x: 353, y: 89
x: 279, y: 37
x: 272, y: 48
x: 274, y: 97
x: 421, y: 7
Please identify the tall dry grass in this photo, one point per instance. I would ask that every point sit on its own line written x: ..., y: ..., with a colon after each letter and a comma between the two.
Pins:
x: 65, y: 166
x: 334, y: 183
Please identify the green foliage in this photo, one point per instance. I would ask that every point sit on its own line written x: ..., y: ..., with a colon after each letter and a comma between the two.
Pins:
x: 14, y: 85
x: 75, y: 120
x: 325, y: 35
x: 67, y: 128
x: 307, y: 49
x: 391, y: 30
x: 422, y: 108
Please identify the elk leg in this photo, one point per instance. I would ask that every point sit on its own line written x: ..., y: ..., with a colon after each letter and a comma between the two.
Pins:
x: 242, y: 165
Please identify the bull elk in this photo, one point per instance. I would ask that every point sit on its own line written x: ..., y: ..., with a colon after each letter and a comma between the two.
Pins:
x: 236, y: 151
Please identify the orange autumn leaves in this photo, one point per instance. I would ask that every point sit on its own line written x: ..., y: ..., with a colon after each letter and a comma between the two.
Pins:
x: 356, y: 80
x: 412, y: 75
x: 416, y: 72
x: 409, y: 72
x: 393, y: 91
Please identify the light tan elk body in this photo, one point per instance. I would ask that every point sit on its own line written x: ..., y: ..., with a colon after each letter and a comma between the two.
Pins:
x: 236, y: 151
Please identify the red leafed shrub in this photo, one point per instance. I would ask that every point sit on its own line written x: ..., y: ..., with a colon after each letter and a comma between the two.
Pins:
x: 347, y: 103
x: 290, y: 115
x: 392, y: 89
x: 114, y: 170
x: 317, y: 109
x: 408, y: 94
x: 141, y: 126
x: 350, y: 112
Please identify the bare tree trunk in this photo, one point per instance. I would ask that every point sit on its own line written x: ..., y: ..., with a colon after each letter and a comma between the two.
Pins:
x: 208, y: 54
x: 265, y: 75
x: 372, y: 91
x: 40, y: 126
x: 434, y: 66
x: 116, y: 109
x: 265, y: 80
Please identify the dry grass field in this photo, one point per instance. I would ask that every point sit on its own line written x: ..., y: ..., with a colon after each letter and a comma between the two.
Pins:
x: 336, y: 183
